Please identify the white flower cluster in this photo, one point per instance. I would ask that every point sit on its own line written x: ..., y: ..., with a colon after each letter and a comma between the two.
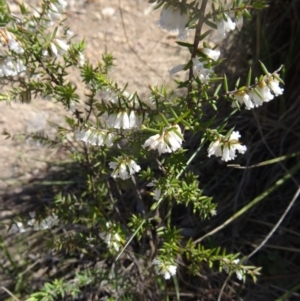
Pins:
x: 174, y: 20
x: 198, y: 68
x: 55, y: 10
x: 111, y: 97
x: 163, y: 268
x: 47, y: 223
x: 124, y: 168
x: 53, y: 13
x: 252, y: 99
x: 168, y: 141
x: 224, y: 26
x: 95, y: 137
x: 112, y: 239
x: 232, y: 265
x: 11, y: 67
x: 127, y: 118
x: 226, y: 148
x: 123, y: 120
x: 200, y: 71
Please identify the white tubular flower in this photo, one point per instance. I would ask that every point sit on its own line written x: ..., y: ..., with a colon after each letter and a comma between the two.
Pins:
x: 243, y: 98
x: 58, y: 47
x: 226, y: 149
x: 255, y: 98
x: 124, y: 168
x: 165, y: 269
x: 54, y: 50
x: 273, y: 84
x: 113, y: 240
x: 120, y: 170
x: 133, y: 167
x: 157, y: 142
x: 212, y: 54
x: 224, y: 26
x: 53, y: 14
x: 61, y: 5
x: 239, y: 273
x: 215, y: 148
x: 200, y: 71
x: 264, y: 92
x: 62, y: 45
x: 135, y: 120
x: 93, y: 137
x: 172, y: 19
x: 121, y: 121
x: 169, y: 141
x: 13, y: 44
x: 56, y: 9
x: 156, y: 191
x: 230, y: 266
x: 213, y: 212
x: 176, y: 69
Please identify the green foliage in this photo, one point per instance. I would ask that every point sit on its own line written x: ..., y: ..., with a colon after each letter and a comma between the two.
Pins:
x: 122, y: 206
x: 59, y: 288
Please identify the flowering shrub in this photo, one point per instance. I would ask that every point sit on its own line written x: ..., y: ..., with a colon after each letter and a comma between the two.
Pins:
x: 132, y: 149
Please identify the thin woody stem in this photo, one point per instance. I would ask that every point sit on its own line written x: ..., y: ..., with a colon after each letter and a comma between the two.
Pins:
x: 195, y: 47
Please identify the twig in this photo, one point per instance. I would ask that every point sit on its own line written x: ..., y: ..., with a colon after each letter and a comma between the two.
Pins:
x: 276, y: 226
x: 265, y: 240
x: 278, y: 183
x: 195, y: 47
x: 10, y: 293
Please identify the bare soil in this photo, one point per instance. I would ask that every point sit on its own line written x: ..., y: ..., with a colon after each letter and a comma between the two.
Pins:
x: 143, y: 52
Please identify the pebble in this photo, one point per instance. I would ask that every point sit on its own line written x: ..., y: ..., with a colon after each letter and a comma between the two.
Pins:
x: 108, y: 11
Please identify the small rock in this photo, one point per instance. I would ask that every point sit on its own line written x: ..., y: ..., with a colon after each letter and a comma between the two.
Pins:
x: 108, y: 11
x: 97, y: 16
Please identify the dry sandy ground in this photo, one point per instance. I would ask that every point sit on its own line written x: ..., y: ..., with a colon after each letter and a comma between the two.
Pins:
x: 143, y: 53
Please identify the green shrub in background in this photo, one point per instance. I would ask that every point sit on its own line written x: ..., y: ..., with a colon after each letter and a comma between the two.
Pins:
x: 136, y: 173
